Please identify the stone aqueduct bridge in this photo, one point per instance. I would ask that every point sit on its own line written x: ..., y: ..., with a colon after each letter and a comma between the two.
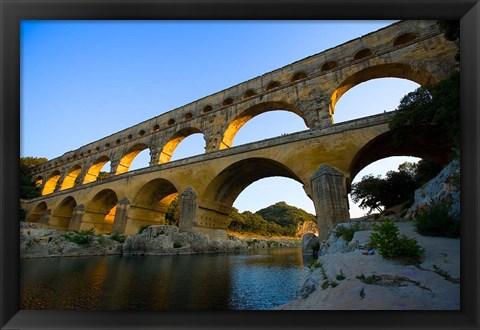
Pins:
x: 324, y: 158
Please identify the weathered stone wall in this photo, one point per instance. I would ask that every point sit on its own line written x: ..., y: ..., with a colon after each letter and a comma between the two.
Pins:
x: 414, y: 50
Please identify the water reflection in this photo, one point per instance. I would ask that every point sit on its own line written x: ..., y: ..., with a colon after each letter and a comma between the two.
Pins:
x: 258, y: 279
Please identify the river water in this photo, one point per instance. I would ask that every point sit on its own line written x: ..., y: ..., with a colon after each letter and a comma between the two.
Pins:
x: 253, y: 280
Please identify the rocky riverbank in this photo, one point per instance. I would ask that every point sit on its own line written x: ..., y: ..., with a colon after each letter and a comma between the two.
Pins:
x: 343, y: 278
x: 37, y: 242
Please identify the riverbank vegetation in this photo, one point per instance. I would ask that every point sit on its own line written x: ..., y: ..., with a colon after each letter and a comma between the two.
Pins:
x: 279, y: 219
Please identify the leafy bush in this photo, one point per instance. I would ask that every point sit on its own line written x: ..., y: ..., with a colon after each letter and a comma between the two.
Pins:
x: 347, y: 232
x: 437, y: 221
x: 82, y: 237
x: 118, y: 238
x: 390, y: 246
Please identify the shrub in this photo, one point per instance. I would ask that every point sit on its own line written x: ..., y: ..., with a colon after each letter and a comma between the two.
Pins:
x: 347, y: 232
x: 82, y: 237
x: 437, y: 221
x: 390, y: 246
x: 118, y: 238
x: 87, y: 232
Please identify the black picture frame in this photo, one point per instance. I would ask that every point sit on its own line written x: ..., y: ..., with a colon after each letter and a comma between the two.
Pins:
x: 12, y: 11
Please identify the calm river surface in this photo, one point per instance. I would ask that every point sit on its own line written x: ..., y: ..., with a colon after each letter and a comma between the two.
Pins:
x: 253, y: 280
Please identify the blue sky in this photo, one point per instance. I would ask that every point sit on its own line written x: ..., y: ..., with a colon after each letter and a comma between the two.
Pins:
x: 84, y: 80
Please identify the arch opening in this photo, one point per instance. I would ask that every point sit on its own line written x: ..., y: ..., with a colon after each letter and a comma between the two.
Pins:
x: 37, y: 212
x: 51, y: 183
x: 151, y: 204
x: 394, y: 70
x: 216, y: 204
x: 362, y: 54
x: 377, y: 168
x: 100, y: 212
x: 415, y: 146
x: 372, y: 97
x: 186, y: 149
x: 69, y: 180
x: 278, y: 194
x: 38, y: 181
x: 62, y: 215
x: 129, y: 156
x: 404, y: 38
x: 272, y: 125
x: 227, y: 185
x: 93, y: 173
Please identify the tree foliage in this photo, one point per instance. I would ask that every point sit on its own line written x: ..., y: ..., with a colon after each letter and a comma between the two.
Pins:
x: 396, y: 188
x: 173, y: 213
x: 435, y: 108
x: 28, y: 188
x: 32, y: 161
x: 279, y: 219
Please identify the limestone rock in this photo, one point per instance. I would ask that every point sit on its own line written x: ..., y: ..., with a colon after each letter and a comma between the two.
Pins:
x: 443, y: 189
x: 310, y: 244
x: 35, y: 242
x: 354, y: 281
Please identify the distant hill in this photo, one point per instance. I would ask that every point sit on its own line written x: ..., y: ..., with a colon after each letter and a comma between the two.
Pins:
x: 279, y: 219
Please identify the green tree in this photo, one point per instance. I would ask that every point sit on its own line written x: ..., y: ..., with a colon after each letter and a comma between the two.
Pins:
x: 451, y: 31
x: 28, y: 189
x: 102, y: 175
x: 368, y: 192
x: 173, y: 213
x: 30, y: 162
x: 434, y: 109
x: 396, y: 188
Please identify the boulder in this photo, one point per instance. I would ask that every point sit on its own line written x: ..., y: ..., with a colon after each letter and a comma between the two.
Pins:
x: 443, y: 189
x: 310, y: 244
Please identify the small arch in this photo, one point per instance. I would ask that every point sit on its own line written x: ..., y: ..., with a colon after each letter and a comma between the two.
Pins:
x: 94, y: 170
x: 156, y: 128
x: 117, y: 142
x: 188, y: 116
x: 249, y: 93
x: 328, y: 66
x: 141, y: 133
x: 366, y: 52
x: 404, y: 38
x: 207, y: 108
x: 171, y: 121
x: 69, y: 180
x: 37, y: 212
x: 38, y: 181
x: 299, y: 75
x: 51, y: 183
x: 129, y: 137
x: 107, y: 145
x: 62, y: 214
x: 227, y: 101
x: 128, y: 157
x: 273, y: 84
x: 174, y: 141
